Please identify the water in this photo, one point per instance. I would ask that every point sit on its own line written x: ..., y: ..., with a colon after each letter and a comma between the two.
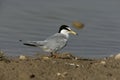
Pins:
x: 38, y: 19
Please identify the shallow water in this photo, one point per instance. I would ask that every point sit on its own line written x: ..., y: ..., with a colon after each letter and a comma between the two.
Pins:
x: 36, y: 20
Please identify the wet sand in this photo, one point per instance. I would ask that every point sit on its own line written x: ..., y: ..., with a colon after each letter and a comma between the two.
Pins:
x: 63, y: 67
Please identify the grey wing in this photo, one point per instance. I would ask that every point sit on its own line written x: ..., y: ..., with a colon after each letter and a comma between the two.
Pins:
x: 56, y: 42
x: 57, y: 36
x: 34, y: 43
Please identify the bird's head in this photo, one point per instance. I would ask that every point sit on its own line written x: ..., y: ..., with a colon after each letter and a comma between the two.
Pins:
x: 64, y: 29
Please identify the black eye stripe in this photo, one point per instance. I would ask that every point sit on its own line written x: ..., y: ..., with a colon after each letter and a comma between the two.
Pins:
x: 67, y: 29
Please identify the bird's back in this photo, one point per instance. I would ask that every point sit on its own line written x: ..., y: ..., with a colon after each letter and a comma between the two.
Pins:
x: 55, y: 42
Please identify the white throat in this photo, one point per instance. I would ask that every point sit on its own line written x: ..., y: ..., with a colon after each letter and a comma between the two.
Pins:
x: 65, y: 32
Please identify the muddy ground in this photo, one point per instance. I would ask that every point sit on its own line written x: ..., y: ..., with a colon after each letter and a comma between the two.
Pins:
x: 65, y: 67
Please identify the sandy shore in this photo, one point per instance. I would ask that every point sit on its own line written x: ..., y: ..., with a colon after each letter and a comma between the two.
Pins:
x: 65, y: 67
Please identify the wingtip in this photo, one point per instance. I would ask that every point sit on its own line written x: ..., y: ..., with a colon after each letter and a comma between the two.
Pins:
x: 28, y: 44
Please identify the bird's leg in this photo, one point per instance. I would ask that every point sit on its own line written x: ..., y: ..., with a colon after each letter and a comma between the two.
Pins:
x: 54, y: 55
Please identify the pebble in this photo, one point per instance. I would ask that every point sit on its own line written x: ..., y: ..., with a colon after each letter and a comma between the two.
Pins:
x: 103, y: 62
x: 62, y: 74
x: 73, y: 64
x: 45, y: 58
x: 22, y: 57
x: 117, y: 57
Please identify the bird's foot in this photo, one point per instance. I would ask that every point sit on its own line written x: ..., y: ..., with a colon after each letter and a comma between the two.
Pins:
x: 55, y: 55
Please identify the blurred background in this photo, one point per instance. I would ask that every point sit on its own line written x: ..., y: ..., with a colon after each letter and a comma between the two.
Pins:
x: 29, y: 20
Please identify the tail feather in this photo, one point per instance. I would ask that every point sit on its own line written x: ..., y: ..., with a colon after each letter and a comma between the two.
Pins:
x: 33, y: 43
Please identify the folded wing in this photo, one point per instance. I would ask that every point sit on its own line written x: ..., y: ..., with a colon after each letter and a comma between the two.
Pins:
x: 34, y: 43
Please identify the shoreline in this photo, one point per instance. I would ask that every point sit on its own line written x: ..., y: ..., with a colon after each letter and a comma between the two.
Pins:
x: 65, y: 67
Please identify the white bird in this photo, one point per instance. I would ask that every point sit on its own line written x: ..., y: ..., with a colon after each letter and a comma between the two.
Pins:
x: 55, y: 42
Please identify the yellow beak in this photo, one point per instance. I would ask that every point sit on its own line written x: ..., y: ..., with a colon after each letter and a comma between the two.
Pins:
x: 73, y: 32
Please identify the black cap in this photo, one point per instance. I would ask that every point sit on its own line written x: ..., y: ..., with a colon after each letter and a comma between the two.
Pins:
x: 63, y: 27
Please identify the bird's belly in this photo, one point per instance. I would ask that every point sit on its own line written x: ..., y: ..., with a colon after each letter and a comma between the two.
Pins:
x: 46, y: 49
x: 53, y: 47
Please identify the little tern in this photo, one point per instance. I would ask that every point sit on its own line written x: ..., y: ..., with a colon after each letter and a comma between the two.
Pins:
x: 55, y: 42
